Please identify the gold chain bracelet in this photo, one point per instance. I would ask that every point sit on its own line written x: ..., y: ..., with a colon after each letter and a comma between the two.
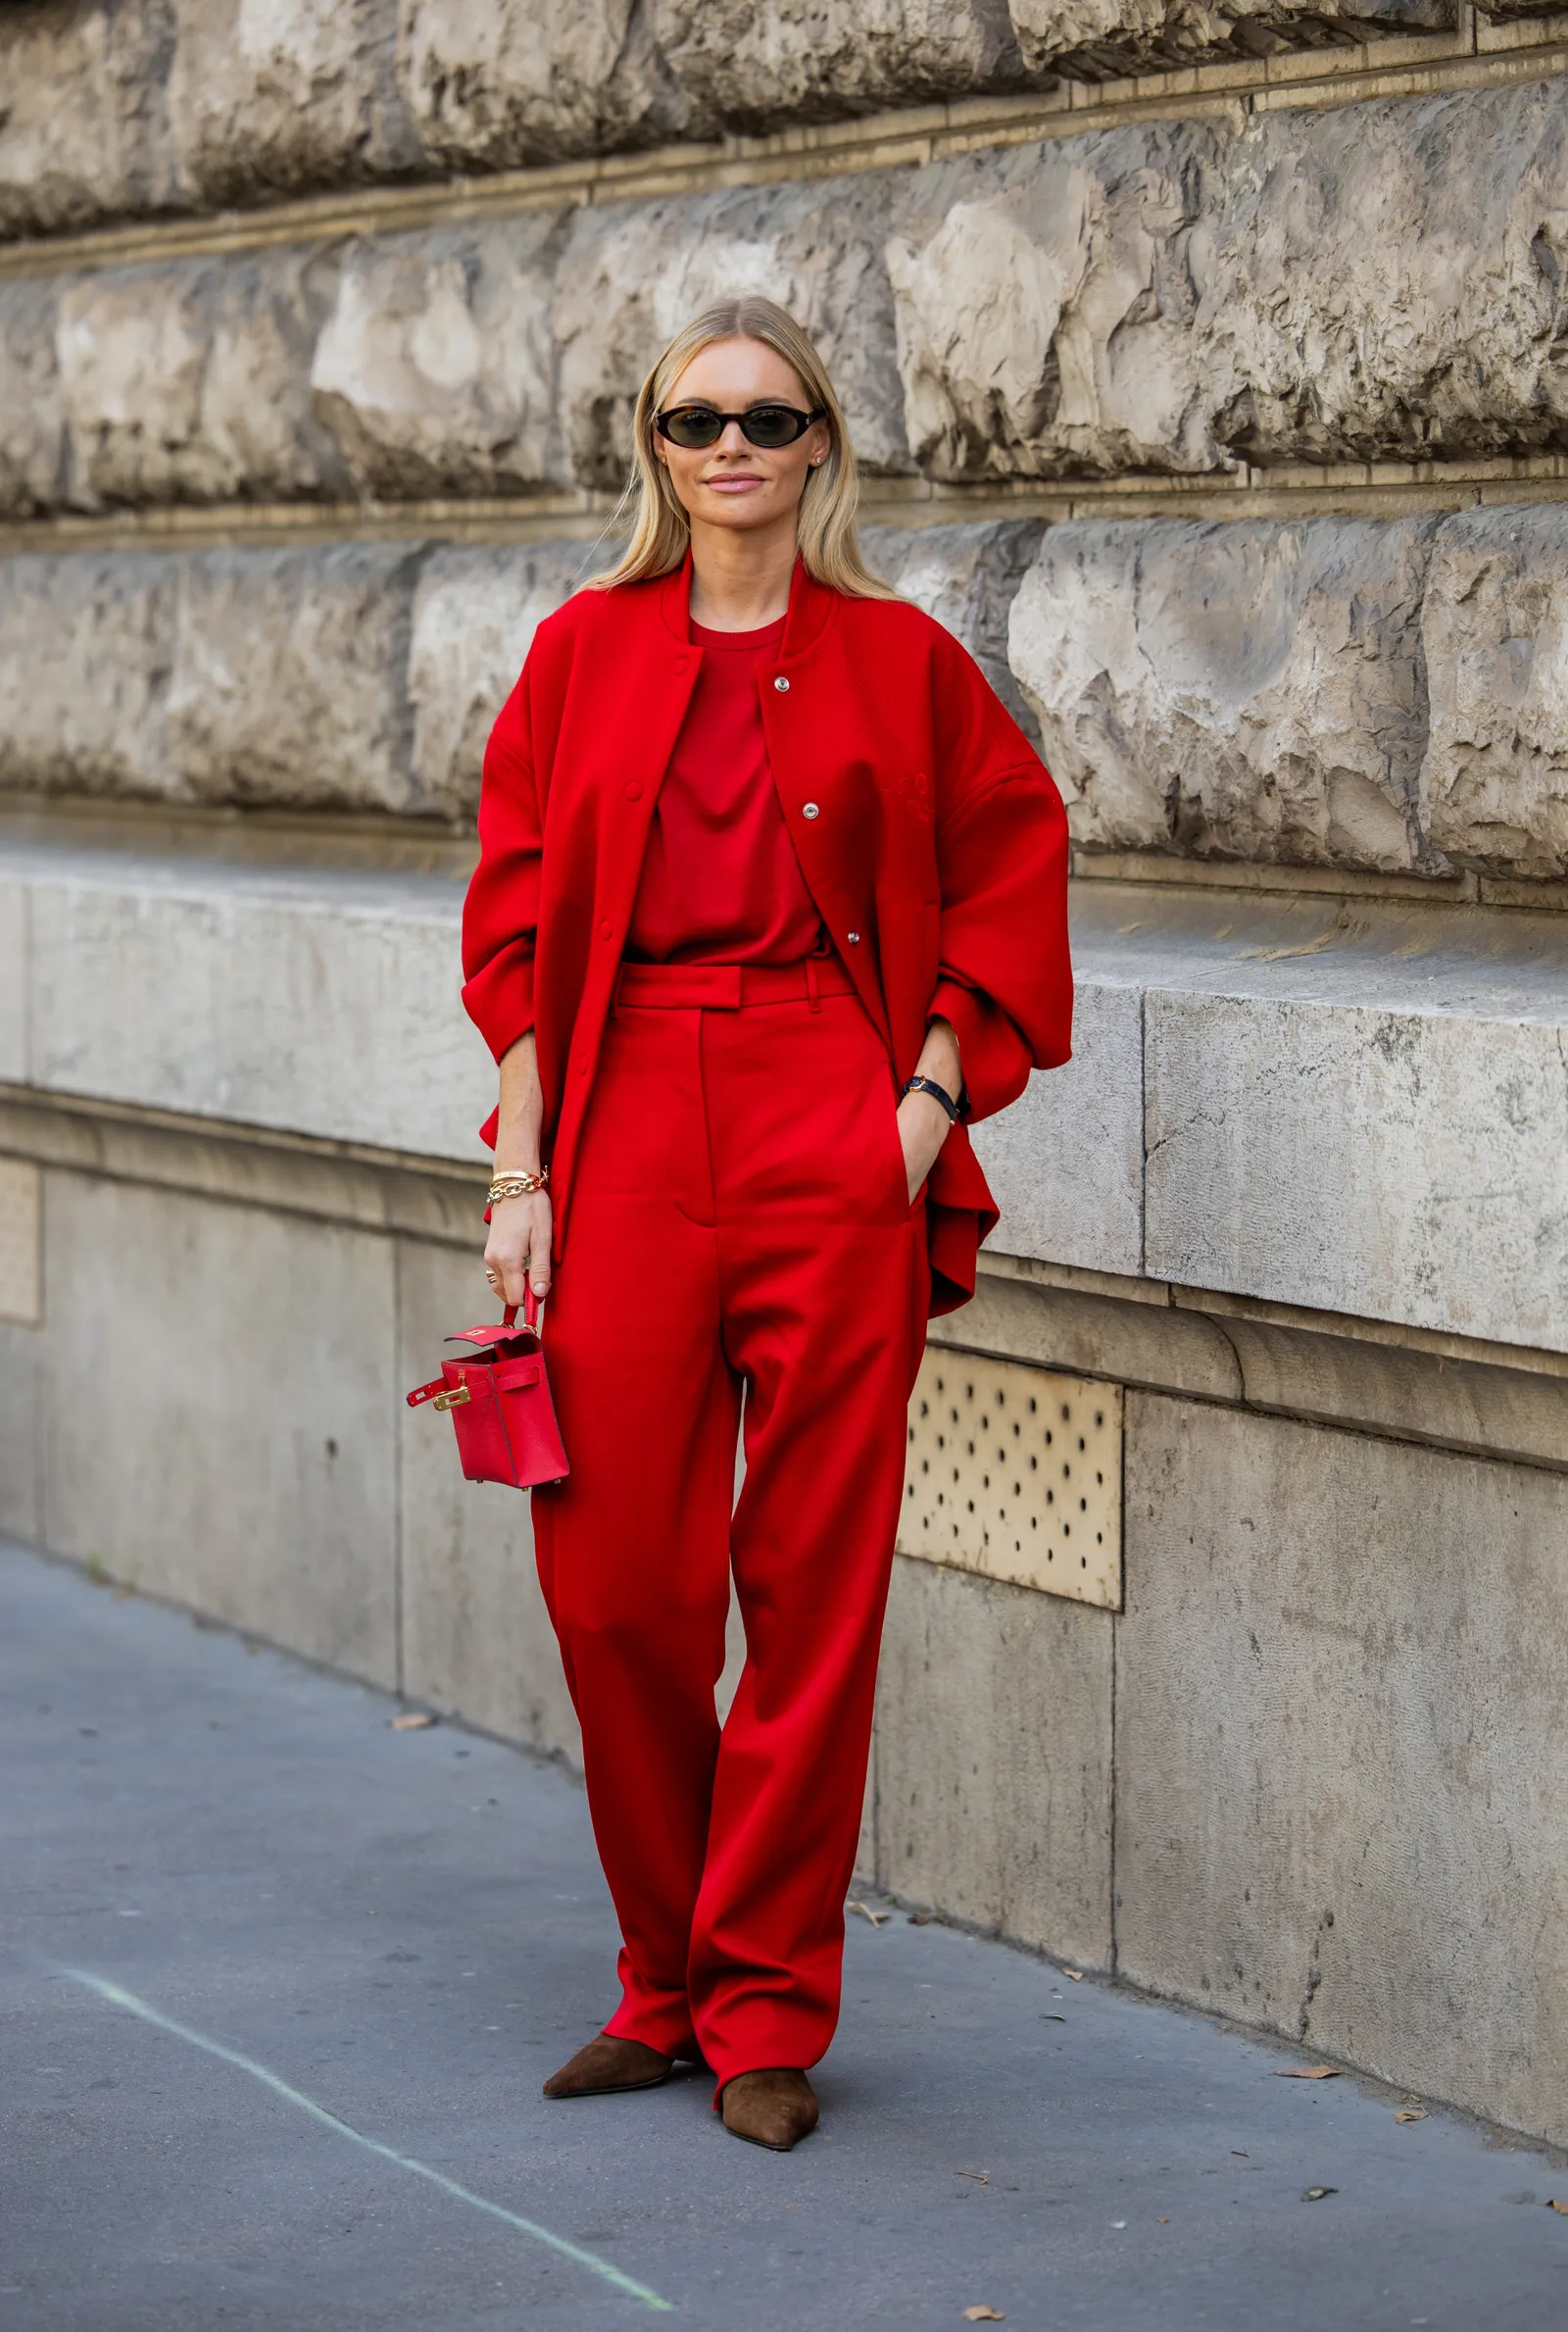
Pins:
x: 517, y: 1186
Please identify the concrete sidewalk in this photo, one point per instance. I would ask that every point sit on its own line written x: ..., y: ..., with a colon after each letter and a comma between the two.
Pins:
x: 407, y: 1931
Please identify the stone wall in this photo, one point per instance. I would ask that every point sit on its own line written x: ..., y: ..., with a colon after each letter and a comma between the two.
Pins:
x: 1191, y: 301
x: 1206, y: 367
x: 126, y: 106
x: 1373, y: 282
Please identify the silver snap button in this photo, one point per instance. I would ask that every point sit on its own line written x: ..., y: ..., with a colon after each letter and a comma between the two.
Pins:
x: 854, y: 938
x: 809, y: 809
x: 782, y: 685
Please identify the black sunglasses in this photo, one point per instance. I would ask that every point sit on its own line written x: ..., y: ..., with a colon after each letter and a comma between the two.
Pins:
x: 769, y: 425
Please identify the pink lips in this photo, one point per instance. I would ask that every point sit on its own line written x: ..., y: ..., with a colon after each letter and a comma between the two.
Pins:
x: 733, y: 485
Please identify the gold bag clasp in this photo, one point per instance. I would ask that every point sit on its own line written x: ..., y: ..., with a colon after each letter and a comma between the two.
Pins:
x: 452, y: 1398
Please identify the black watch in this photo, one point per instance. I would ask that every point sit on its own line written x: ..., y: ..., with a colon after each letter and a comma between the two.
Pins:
x: 938, y: 1092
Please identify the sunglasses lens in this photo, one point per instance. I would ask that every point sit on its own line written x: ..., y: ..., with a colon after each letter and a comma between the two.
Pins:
x: 693, y: 427
x: 771, y: 425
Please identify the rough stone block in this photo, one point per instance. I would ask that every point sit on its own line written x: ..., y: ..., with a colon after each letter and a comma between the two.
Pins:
x: 322, y: 1003
x: 1392, y: 280
x: 497, y: 83
x: 474, y: 617
x: 631, y: 274
x: 1239, y: 690
x: 476, y: 1637
x: 290, y: 677
x: 1341, y: 1686
x: 348, y: 678
x: 31, y: 426
x: 284, y: 1524
x: 1109, y: 37
x: 1046, y: 302
x: 1399, y: 1164
x: 749, y: 65
x: 86, y: 650
x: 435, y: 369
x: 994, y: 1758
x: 82, y: 123
x: 191, y: 382
x: 1356, y: 283
x: 292, y: 93
x: 1495, y: 626
x: 1065, y: 1163
x: 967, y: 578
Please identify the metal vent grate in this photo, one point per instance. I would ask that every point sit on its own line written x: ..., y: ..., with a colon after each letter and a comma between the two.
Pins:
x: 21, y: 1260
x: 1016, y: 1473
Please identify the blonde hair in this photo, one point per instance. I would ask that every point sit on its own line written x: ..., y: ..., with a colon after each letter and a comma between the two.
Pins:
x: 829, y: 544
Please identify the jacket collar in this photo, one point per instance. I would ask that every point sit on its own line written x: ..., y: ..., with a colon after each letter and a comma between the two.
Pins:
x: 810, y: 608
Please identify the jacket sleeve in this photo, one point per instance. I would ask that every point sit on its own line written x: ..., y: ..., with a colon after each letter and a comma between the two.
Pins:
x: 501, y: 913
x: 992, y: 1057
x: 1005, y: 975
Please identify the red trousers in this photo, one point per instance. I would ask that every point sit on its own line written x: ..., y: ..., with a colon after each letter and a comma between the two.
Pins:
x: 740, y: 1223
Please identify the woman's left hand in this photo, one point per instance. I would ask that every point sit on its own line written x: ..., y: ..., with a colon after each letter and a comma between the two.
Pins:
x: 924, y: 1128
x: 924, y: 1123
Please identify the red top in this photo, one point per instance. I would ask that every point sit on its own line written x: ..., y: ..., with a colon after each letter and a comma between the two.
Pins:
x: 720, y: 881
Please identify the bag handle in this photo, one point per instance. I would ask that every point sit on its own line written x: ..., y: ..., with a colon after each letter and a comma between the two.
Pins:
x: 530, y: 1311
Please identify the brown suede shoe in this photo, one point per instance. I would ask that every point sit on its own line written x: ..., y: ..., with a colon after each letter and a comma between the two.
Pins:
x: 775, y: 2107
x: 608, y: 2066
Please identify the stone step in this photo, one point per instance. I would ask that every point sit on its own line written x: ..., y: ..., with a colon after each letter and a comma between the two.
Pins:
x: 1359, y: 1112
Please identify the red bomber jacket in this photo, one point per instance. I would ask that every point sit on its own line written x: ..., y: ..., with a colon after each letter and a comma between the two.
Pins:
x: 937, y: 856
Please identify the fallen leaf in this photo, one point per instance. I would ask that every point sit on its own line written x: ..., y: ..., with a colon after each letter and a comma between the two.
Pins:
x: 983, y: 2315
x: 1074, y: 1976
x: 1561, y: 2208
x: 980, y: 2178
x: 1306, y: 2072
x: 1410, y: 2113
x: 876, y: 1917
x: 413, y: 1720
x: 1162, y: 2222
x: 926, y: 1918
x: 1049, y: 2016
x: 1315, y: 2194
x: 1239, y: 2152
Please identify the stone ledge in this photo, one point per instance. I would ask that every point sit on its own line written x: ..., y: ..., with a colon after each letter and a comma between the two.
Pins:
x: 1491, y: 1401
x: 1358, y: 1114
x: 1298, y: 490
x: 189, y: 987
x: 1209, y: 1350
x: 1361, y: 1110
x: 431, y: 1199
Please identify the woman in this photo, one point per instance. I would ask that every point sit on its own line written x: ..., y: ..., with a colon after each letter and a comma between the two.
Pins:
x: 771, y: 899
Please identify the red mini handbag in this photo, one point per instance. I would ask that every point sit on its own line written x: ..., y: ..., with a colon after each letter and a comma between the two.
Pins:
x: 500, y: 1403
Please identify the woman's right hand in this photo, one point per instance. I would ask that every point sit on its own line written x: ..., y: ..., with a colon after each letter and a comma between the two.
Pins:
x: 516, y: 1252
x: 517, y: 1249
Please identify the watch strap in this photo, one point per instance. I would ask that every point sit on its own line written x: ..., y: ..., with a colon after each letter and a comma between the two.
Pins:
x: 938, y: 1092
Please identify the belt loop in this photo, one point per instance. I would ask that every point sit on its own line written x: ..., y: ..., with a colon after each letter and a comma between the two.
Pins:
x: 614, y: 993
x: 812, y: 993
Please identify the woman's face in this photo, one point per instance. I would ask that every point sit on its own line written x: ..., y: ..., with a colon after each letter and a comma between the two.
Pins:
x: 735, y: 484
